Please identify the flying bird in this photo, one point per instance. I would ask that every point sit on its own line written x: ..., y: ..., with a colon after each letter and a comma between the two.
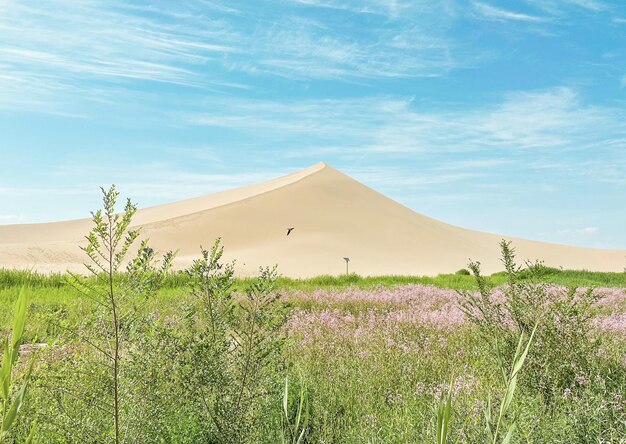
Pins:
x: 289, y: 230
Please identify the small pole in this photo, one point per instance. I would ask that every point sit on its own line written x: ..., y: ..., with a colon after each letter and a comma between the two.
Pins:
x: 347, y: 259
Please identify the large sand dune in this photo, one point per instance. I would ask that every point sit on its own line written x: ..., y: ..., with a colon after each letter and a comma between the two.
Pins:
x: 333, y: 215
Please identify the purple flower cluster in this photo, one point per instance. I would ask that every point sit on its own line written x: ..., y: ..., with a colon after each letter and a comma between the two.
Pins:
x: 613, y: 301
x: 384, y: 309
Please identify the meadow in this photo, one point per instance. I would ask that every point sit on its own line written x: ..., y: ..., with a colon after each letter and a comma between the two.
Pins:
x: 139, y: 353
x: 374, y: 356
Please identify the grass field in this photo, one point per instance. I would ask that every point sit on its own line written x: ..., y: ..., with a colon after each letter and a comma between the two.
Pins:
x: 49, y: 293
x: 372, y: 356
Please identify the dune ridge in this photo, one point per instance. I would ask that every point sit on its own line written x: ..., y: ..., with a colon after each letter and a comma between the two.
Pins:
x: 333, y: 216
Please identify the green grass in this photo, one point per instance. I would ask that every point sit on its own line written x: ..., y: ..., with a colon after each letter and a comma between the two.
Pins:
x: 577, y: 278
x: 50, y: 296
x: 367, y: 383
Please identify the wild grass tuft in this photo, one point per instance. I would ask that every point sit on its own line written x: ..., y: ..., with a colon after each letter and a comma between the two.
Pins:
x: 295, y: 423
x: 13, y: 399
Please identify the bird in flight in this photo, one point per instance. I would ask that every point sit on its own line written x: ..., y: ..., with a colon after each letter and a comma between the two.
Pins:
x: 289, y: 230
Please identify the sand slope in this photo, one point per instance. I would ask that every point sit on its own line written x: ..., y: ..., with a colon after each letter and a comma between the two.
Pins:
x: 333, y: 215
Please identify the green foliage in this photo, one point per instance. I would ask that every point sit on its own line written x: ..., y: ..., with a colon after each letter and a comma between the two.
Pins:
x: 232, y: 351
x: 525, y: 301
x: 459, y: 280
x: 463, y: 272
x: 116, y: 299
x: 31, y: 279
x: 12, y: 400
x: 493, y: 427
x: 444, y: 412
x: 202, y: 356
x: 295, y: 423
x: 510, y: 383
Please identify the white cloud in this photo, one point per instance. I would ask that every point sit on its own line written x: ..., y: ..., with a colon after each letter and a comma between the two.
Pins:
x: 55, y: 54
x: 592, y: 5
x: 390, y: 8
x: 10, y: 218
x: 552, y: 133
x: 561, y: 7
x: 585, y: 231
x: 493, y: 13
x: 553, y: 119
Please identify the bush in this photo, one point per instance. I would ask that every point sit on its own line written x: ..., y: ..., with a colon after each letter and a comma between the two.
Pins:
x: 92, y: 395
x: 463, y: 272
x: 229, y: 354
x: 565, y: 344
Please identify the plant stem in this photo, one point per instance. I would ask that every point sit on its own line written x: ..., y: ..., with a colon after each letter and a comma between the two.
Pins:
x: 116, y: 410
x: 249, y: 352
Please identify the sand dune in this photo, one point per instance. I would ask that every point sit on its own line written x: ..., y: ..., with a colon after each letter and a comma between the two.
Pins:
x: 333, y: 215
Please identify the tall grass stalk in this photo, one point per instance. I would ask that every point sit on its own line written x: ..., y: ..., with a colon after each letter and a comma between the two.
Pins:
x: 444, y: 413
x: 12, y: 403
x: 295, y: 429
x: 511, y: 384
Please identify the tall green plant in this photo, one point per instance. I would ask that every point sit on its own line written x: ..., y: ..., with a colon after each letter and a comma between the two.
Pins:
x: 294, y: 428
x: 494, y: 426
x: 12, y: 400
x: 444, y: 413
x: 236, y: 350
x: 561, y: 315
x: 115, y: 294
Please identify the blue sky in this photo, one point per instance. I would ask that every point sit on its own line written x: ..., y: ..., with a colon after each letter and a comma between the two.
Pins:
x: 501, y: 116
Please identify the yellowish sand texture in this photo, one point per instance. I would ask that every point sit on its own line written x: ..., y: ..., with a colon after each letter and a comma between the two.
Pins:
x: 333, y: 216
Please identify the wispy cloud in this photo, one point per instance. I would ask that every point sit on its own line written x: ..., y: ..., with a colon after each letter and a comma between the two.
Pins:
x: 146, y: 183
x: 586, y: 231
x: 58, y: 53
x: 593, y: 5
x: 553, y: 119
x: 10, y: 218
x: 549, y: 132
x: 493, y: 13
x: 560, y: 7
x: 63, y: 53
x: 390, y: 7
x: 402, y: 39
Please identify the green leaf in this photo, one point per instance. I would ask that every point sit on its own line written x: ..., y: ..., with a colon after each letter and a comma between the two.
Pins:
x: 487, y: 413
x: 286, y: 398
x: 508, y: 397
x: 19, y: 319
x: 5, y: 371
x: 16, y: 405
x: 444, y: 412
x: 509, y: 434
x: 519, y: 362
x: 14, y: 408
x: 31, y: 434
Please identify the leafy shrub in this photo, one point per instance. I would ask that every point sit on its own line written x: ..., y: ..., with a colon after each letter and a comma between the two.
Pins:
x: 228, y: 356
x: 91, y: 393
x: 463, y: 272
x: 241, y: 340
x: 565, y: 343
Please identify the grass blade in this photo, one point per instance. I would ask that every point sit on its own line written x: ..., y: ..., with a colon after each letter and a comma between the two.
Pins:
x: 19, y: 320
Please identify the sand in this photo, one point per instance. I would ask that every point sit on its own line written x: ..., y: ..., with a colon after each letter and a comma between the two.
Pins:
x: 333, y: 215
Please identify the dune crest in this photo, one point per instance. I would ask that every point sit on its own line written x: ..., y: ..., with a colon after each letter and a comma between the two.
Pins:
x: 333, y: 216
